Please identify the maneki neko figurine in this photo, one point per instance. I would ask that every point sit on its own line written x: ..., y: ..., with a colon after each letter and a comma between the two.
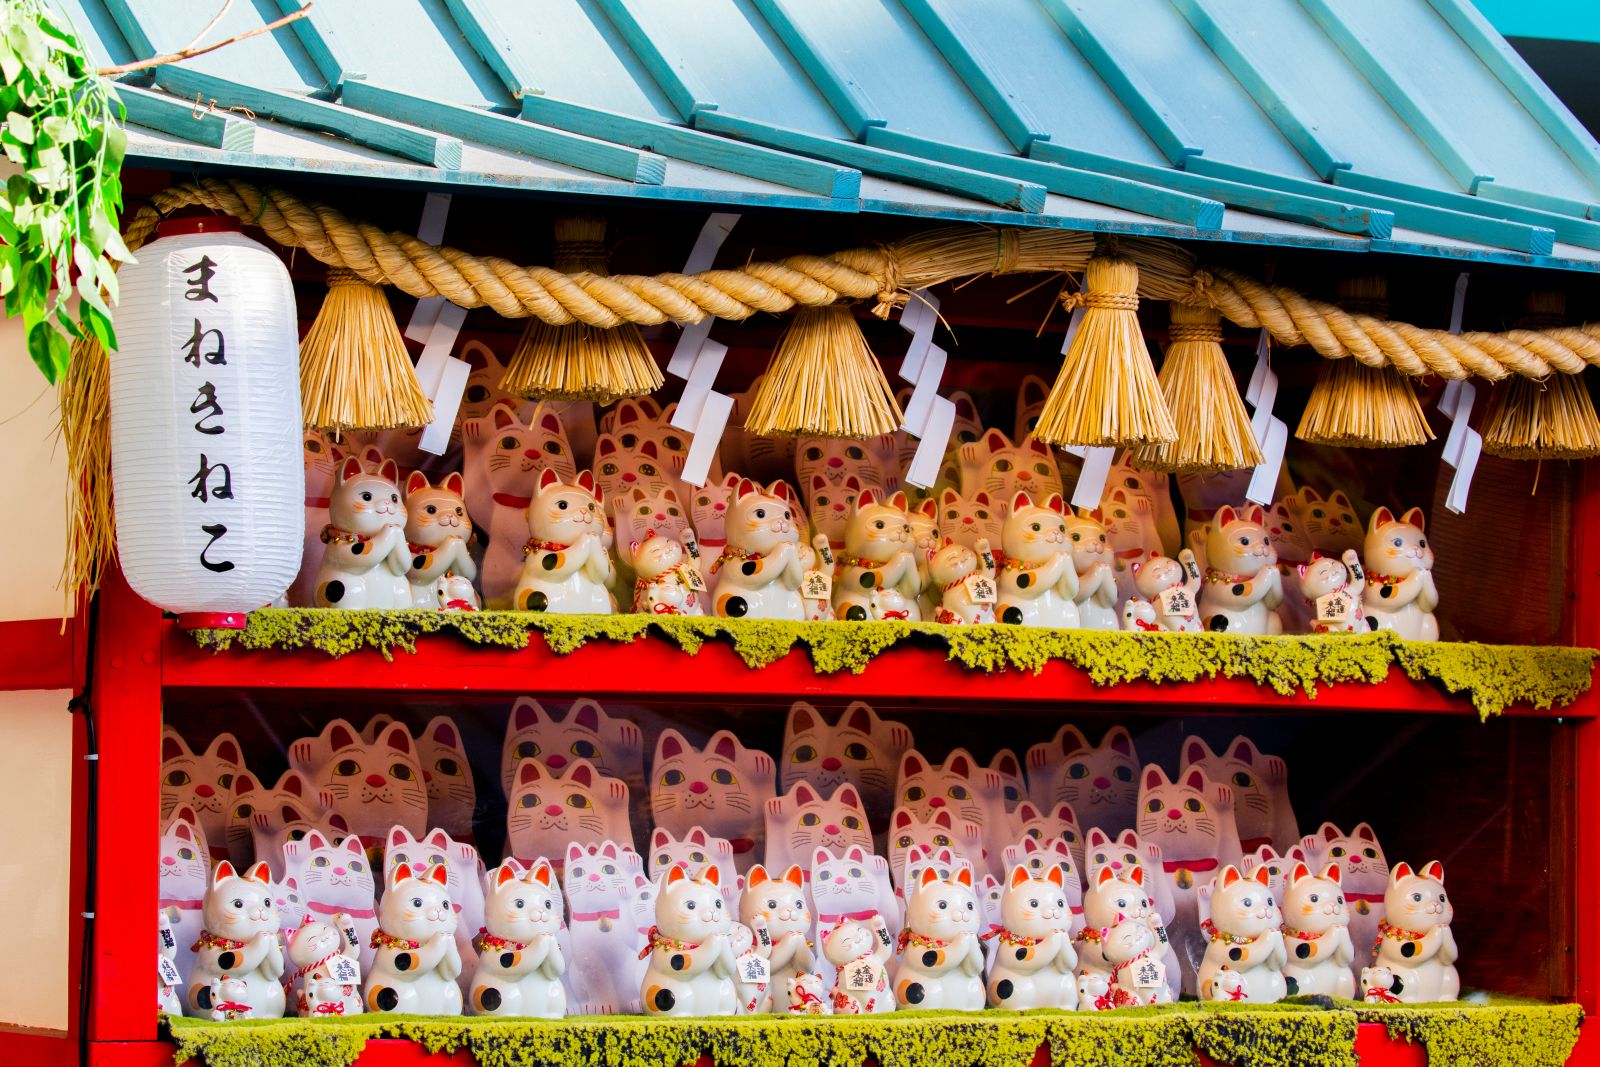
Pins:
x: 667, y: 578
x: 1034, y: 962
x: 366, y: 561
x: 1400, y: 594
x: 761, y: 571
x: 1332, y: 593
x: 520, y: 962
x: 438, y: 533
x: 1414, y: 939
x: 1245, y: 938
x: 941, y: 958
x: 1243, y: 586
x: 774, y: 908
x: 860, y: 950
x: 691, y: 969
x: 237, y: 955
x: 566, y: 569
x: 417, y: 962
x: 1168, y: 595
x: 877, y: 575
x: 964, y: 578
x: 1316, y: 928
x: 1038, y: 582
x: 1136, y: 974
x: 1097, y: 579
x: 326, y: 979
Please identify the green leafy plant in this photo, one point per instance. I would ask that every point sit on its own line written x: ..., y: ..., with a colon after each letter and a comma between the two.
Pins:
x: 64, y: 142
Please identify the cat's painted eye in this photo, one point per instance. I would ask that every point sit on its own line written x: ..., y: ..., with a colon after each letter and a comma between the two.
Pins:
x: 1416, y: 898
x: 662, y: 859
x: 401, y: 772
x: 509, y: 443
x: 225, y: 781
x: 578, y: 800
x: 527, y: 749
x: 320, y: 861
x: 1002, y: 466
x: 1371, y: 854
x: 960, y: 792
x: 1123, y: 774
x: 1247, y: 902
x: 585, y: 749
x: 519, y: 903
x: 1422, y: 542
x: 697, y: 857
x: 628, y: 439
x: 1153, y: 805
x: 431, y: 510
x: 647, y: 469
x: 675, y: 443
x: 1036, y: 833
x: 915, y: 793
x: 1243, y: 780
x: 346, y: 768
x: 549, y: 905
x: 355, y: 865
x: 810, y: 818
x: 1317, y: 513
x: 857, y: 751
x: 297, y: 834
x: 723, y: 776
x: 761, y: 513
x: 608, y: 868
x: 971, y: 905
x: 529, y: 800
x: 242, y: 811
x: 672, y: 511
x: 1119, y: 513
x: 903, y: 842
x: 1037, y: 527
x: 813, y: 453
x: 1314, y: 897
x: 983, y: 513
x: 803, y: 754
x: 952, y: 514
x: 1336, y: 851
x: 1244, y: 540
x: 1193, y: 804
x: 1288, y: 528
x: 477, y: 394
x: 416, y: 902
x: 1398, y: 543
x: 186, y: 853
x: 448, y: 767
x: 944, y: 905
x: 400, y: 859
x: 1042, y: 469
x: 561, y: 505
x: 702, y: 501
x: 941, y: 840
x: 1012, y: 794
x: 1077, y: 537
x: 366, y: 497
x: 690, y: 905
x: 855, y: 452
x: 239, y: 903
x: 554, y: 448
x: 313, y: 445
x: 851, y: 822
x: 177, y: 778
x: 608, y: 469
x: 644, y: 509
x: 672, y: 777
x: 1099, y: 857
x: 878, y: 525
x: 1077, y: 770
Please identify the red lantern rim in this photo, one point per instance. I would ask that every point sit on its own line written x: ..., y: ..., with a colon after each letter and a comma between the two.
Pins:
x: 197, y: 224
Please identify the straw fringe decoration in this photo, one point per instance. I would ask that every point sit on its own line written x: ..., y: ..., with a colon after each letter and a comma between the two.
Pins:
x: 824, y: 380
x: 84, y: 407
x: 1214, y: 432
x: 1552, y: 419
x: 576, y: 361
x: 355, y: 373
x: 1107, y: 392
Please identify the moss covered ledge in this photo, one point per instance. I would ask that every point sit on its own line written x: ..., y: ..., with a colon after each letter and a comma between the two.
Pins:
x: 1493, y: 676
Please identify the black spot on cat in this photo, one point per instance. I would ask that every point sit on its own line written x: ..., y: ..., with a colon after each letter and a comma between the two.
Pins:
x: 868, y: 580
x: 1408, y: 949
x: 334, y: 592
x: 1372, y: 623
x: 403, y: 961
x: 1022, y: 953
x: 550, y: 561
x: 1013, y: 615
x: 736, y: 607
x: 358, y: 548
x: 535, y: 601
x: 1386, y: 591
x: 1398, y: 986
x: 914, y: 993
x: 1236, y: 954
x: 930, y: 958
x: 1218, y: 623
x: 418, y: 562
x: 1294, y: 986
x: 386, y: 999
x: 855, y: 613
x: 679, y: 961
x: 1303, y: 950
x: 664, y: 1000
x: 1024, y: 580
x: 1003, y: 989
x: 1238, y: 589
x: 226, y: 960
x: 507, y: 960
x: 749, y: 566
x: 489, y: 999
x: 202, y: 998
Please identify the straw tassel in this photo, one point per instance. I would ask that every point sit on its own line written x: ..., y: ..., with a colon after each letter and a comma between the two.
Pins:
x: 1358, y: 406
x: 824, y: 380
x: 355, y: 373
x: 1550, y: 419
x: 577, y: 361
x: 85, y: 416
x: 1214, y: 432
x: 1107, y: 393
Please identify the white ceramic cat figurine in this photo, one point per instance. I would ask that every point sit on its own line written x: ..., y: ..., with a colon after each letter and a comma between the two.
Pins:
x: 831, y: 507
x: 1113, y: 897
x: 1400, y: 593
x: 1414, y: 940
x: 185, y: 870
x: 417, y: 964
x: 320, y: 457
x: 1038, y: 857
x: 335, y: 879
x: 1034, y: 962
x: 1167, y: 595
x: 1316, y: 928
x: 877, y: 576
x: 931, y: 832
x: 1277, y: 866
x: 287, y: 812
x: 548, y: 812
x: 608, y: 909
x: 438, y: 536
x: 1038, y: 583
x: 1243, y: 587
x: 775, y: 909
x: 852, y: 884
x: 860, y: 750
x: 465, y: 881
x: 667, y: 578
x: 941, y: 958
x: 800, y: 821
x: 504, y: 457
x: 760, y: 572
x: 1045, y: 826
x: 1137, y: 969
x: 567, y: 569
x: 923, y: 515
x: 1260, y: 784
x: 1124, y: 855
x: 1097, y: 580
x: 805, y: 995
x: 835, y: 460
x: 860, y: 950
x: 1130, y: 521
x: 520, y: 962
x: 1332, y: 594
x: 1245, y: 937
x: 1363, y: 875
x: 374, y: 785
x: 1100, y: 782
x: 723, y: 787
x: 962, y: 786
x: 365, y: 561
x: 964, y: 577
x: 326, y: 979
x: 691, y: 965
x: 1377, y: 986
x: 239, y: 941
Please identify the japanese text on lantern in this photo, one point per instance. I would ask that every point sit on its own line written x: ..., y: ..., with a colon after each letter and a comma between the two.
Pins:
x: 205, y: 352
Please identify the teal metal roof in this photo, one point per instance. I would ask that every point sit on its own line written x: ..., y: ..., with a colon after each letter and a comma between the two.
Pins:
x: 1391, y: 125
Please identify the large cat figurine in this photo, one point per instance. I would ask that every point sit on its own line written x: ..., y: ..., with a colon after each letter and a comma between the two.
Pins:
x: 364, y: 563
x: 877, y: 576
x: 207, y: 784
x: 1100, y: 782
x: 695, y: 851
x: 759, y: 574
x: 417, y: 964
x: 287, y: 812
x: 612, y: 909
x: 1363, y: 876
x: 800, y: 821
x: 321, y: 456
x: 1166, y: 595
x: 504, y: 457
x: 774, y: 907
x: 1060, y: 822
x: 1243, y: 587
x: 566, y: 569
x: 691, y: 964
x: 439, y: 536
x: 1038, y: 583
x: 185, y: 869
x: 326, y: 979
x: 619, y: 468
x: 335, y: 879
x: 465, y: 883
x: 1034, y: 963
x: 860, y: 750
x: 614, y: 745
x: 723, y: 787
x: 1400, y: 593
x: 1316, y: 929
x: 941, y: 958
x: 1244, y: 937
x: 520, y: 966
x: 239, y: 942
x: 374, y: 785
x: 993, y: 465
x: 550, y: 811
x: 1414, y: 940
x: 1260, y: 786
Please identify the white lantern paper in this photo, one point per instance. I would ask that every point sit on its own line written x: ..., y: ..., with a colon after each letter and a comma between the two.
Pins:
x: 205, y: 423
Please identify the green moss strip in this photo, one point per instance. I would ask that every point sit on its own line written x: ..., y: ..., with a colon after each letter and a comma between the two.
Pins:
x: 1494, y: 677
x: 1281, y: 1035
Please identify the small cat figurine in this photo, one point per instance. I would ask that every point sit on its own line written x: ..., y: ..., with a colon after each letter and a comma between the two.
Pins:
x: 964, y: 577
x: 550, y: 811
x: 206, y: 783
x: 1137, y: 976
x: 374, y: 785
x: 1316, y: 928
x: 667, y: 578
x: 967, y: 519
x: 465, y: 882
x: 566, y: 569
x: 1130, y: 521
x: 936, y: 830
x: 504, y: 457
x: 691, y: 964
x: 416, y: 966
x: 1032, y: 392
x: 760, y: 572
x: 184, y: 876
x: 831, y: 507
x: 1115, y: 895
x: 696, y: 851
x: 1277, y: 867
x: 365, y: 562
x: 800, y: 821
x: 1038, y: 857
x: 1166, y: 595
x: 335, y: 879
x: 1244, y: 937
x: 722, y: 787
x: 852, y: 884
x: 860, y: 750
x: 1363, y: 875
x: 877, y: 576
x: 167, y: 976
x: 1097, y: 580
x: 612, y: 909
x: 708, y: 508
x: 240, y: 942
x: 326, y: 979
x: 805, y: 995
x: 1414, y: 940
x: 1377, y: 986
x: 1260, y: 786
x: 520, y: 962
x: 1038, y: 583
x: 230, y: 999
x: 1331, y: 525
x: 775, y: 909
x: 639, y: 516
x: 1100, y: 782
x: 614, y: 745
x: 1243, y: 587
x: 438, y: 535
x: 1332, y: 594
x: 993, y: 465
x: 941, y: 958
x: 1400, y: 593
x: 1034, y: 964
x: 860, y: 950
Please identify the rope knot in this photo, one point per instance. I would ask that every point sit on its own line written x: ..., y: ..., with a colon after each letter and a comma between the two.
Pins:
x: 1008, y: 250
x: 1191, y: 331
x: 891, y: 293
x: 1198, y: 293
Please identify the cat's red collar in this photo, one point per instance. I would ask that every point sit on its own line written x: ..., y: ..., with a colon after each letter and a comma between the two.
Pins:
x: 1008, y: 938
x: 506, y: 500
x: 862, y: 564
x: 830, y: 919
x: 1217, y: 577
x: 1192, y: 866
x: 1209, y: 928
x: 1301, y: 935
x: 595, y: 916
x: 656, y: 939
x: 536, y: 545
x: 1396, y: 933
x: 383, y: 940
x: 730, y: 553
x: 1087, y: 934
x: 1388, y: 580
x: 485, y: 941
x: 332, y: 535
x: 911, y: 937
x: 211, y: 940
x: 1365, y: 898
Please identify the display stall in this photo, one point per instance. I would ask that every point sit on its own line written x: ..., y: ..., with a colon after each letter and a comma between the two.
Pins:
x: 1016, y: 612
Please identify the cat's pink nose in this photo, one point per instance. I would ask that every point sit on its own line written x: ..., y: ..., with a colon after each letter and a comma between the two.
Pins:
x: 1174, y: 813
x: 831, y: 763
x: 531, y: 453
x: 427, y: 776
x: 936, y: 802
x: 1102, y: 783
x: 832, y: 830
x: 698, y: 787
x: 660, y: 517
x: 629, y: 477
x: 556, y: 762
x: 835, y: 461
x: 595, y: 877
x: 170, y: 861
x: 204, y: 791
x: 376, y: 781
x: 1023, y: 476
x: 339, y: 872
x: 968, y: 519
x: 1116, y: 865
x: 552, y: 809
x: 719, y: 507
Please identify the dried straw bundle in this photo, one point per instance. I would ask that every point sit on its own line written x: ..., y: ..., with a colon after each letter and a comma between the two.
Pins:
x: 1107, y: 392
x: 1550, y: 419
x: 577, y: 361
x: 950, y: 252
x: 84, y: 408
x: 1214, y: 431
x: 824, y: 380
x: 1358, y: 406
x: 355, y: 373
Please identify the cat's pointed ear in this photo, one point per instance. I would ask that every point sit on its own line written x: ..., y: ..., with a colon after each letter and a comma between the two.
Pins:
x: 802, y: 718
x: 1118, y: 740
x: 314, y: 841
x: 1056, y: 504
x: 574, y: 852
x: 1097, y: 837
x: 1301, y: 568
x: 1332, y: 873
x: 1230, y: 874
x: 724, y: 744
x: 1195, y: 750
x: 756, y: 876
x: 586, y: 482
x: 1225, y: 514
x: 1435, y: 870
x: 859, y: 716
x: 1106, y: 874
x: 443, y: 731
x: 1020, y: 500
x: 530, y: 770
x: 439, y: 839
x: 542, y: 872
x: 1329, y: 832
x: 648, y: 448
x: 847, y: 795
x: 1255, y: 514
x: 866, y: 499
x: 1414, y: 517
x: 1365, y: 832
x: 399, y: 836
x: 660, y: 838
x: 398, y: 738
x: 948, y: 496
x: 416, y: 482
x: 677, y: 874
x: 172, y: 745
x: 942, y: 818
x: 527, y: 712
x: 711, y: 874
x: 1382, y: 516
x: 1155, y: 777
x: 1019, y: 874
x: 548, y: 477
x: 224, y: 870
x: 964, y: 875
x: 1196, y: 779
x: 1300, y: 871
x: 745, y: 488
x: 226, y: 749
x: 1136, y: 876
x: 794, y: 875
x: 503, y: 874
x: 605, y: 445
x: 502, y: 415
x: 902, y: 818
x: 1401, y: 870
x: 583, y: 773
x: 897, y: 499
x: 928, y: 875
x: 1262, y: 875
x: 911, y: 763
x: 929, y: 507
x: 1027, y: 813
x: 352, y: 844
x: 1056, y: 875
x: 1244, y: 750
x: 350, y: 468
x: 437, y: 873
x: 389, y: 471
x: 960, y: 763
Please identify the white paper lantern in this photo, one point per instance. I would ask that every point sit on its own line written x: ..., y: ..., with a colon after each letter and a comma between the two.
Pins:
x: 205, y: 424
